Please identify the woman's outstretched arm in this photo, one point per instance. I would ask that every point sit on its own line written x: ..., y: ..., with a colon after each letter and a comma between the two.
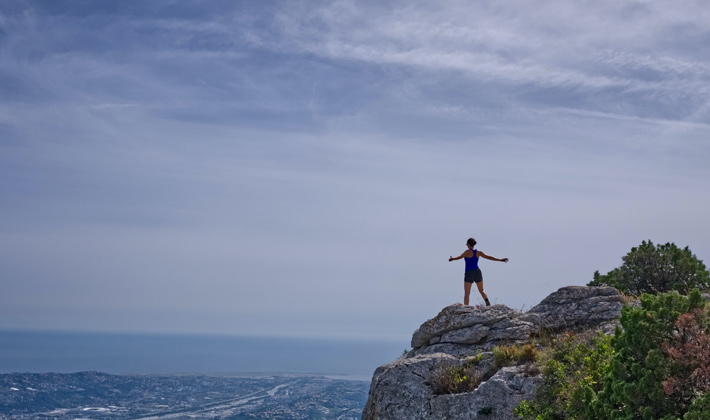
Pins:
x: 488, y: 257
x: 468, y: 253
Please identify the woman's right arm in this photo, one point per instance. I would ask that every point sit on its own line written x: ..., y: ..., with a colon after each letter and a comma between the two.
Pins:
x: 469, y: 252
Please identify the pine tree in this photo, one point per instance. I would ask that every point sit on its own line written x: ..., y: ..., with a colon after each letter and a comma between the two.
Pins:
x: 655, y: 269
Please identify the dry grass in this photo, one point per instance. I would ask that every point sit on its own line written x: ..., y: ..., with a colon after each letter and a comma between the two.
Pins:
x: 515, y: 354
x: 455, y: 379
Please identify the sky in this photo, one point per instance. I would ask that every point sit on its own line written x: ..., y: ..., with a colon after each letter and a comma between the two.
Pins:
x: 306, y: 168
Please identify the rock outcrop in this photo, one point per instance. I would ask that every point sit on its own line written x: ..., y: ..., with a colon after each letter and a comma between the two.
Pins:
x: 572, y: 307
x: 464, y: 330
x: 405, y: 388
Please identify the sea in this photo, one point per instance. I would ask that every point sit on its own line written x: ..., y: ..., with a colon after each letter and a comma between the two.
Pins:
x: 133, y: 353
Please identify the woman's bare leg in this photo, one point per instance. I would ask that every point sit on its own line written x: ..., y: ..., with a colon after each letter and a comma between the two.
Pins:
x: 480, y: 290
x: 466, y: 292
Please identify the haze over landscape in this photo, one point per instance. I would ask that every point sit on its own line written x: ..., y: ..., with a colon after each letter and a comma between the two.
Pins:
x: 306, y: 168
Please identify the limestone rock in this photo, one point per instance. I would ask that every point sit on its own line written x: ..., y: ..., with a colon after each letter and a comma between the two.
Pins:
x: 401, y: 389
x: 468, y: 335
x: 609, y: 327
x: 512, y: 330
x: 456, y: 317
x: 457, y: 350
x: 494, y: 399
x: 576, y: 306
x: 471, y: 340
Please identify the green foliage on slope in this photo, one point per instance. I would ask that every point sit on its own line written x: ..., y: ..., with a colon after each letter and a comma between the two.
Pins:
x: 657, y: 367
x: 634, y: 385
x: 573, y: 364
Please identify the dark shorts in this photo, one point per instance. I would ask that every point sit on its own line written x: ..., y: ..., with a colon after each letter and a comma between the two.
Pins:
x: 473, y: 276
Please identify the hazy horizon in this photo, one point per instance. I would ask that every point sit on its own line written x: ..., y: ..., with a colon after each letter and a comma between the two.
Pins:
x: 306, y: 168
x: 143, y: 353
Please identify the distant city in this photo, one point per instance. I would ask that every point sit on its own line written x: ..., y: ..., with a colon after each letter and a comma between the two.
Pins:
x: 94, y: 395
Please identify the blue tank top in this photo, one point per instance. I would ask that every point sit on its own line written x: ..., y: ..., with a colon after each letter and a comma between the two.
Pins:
x: 471, y: 263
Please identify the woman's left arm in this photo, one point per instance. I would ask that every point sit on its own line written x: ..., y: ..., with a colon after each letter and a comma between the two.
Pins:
x: 488, y: 257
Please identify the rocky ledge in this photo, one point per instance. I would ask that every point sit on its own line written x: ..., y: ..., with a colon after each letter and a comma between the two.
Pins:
x: 405, y: 388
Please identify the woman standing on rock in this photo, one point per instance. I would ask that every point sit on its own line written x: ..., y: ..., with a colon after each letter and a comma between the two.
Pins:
x: 473, y: 273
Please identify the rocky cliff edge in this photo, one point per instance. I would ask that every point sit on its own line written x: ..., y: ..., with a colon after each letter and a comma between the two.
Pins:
x: 407, y: 389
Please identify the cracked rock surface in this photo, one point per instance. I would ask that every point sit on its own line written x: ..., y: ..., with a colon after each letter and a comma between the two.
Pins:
x: 494, y: 399
x: 576, y: 306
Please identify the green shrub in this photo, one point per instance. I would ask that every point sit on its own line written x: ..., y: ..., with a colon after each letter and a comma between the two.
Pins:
x: 474, y: 360
x: 654, y: 269
x: 699, y: 409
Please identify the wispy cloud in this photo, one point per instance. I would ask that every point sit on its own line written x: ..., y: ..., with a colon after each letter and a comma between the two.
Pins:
x: 516, y: 44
